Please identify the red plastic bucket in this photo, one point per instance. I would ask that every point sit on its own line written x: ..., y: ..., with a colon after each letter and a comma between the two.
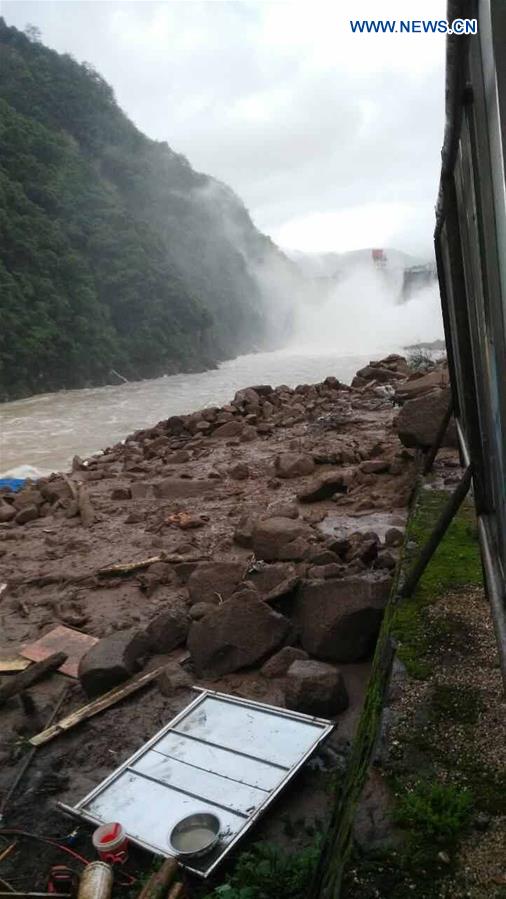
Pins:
x: 111, y: 843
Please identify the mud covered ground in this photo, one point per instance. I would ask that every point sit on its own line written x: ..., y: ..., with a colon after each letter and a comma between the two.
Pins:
x: 191, y: 491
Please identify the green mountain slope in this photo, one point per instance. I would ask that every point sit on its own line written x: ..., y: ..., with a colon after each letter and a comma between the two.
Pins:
x: 114, y: 252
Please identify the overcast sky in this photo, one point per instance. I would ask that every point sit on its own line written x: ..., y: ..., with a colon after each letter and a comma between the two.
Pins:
x: 332, y: 139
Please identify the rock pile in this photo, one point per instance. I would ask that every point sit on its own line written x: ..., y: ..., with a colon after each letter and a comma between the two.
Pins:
x: 269, y: 528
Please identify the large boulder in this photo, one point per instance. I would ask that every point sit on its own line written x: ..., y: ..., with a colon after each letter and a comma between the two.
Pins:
x: 378, y: 372
x: 168, y: 629
x: 315, y: 688
x: 212, y: 580
x: 338, y: 621
x: 7, y: 512
x: 229, y: 429
x: 246, y: 395
x: 280, y: 539
x: 243, y: 534
x: 325, y: 486
x: 415, y: 387
x: 293, y: 465
x: 274, y: 581
x: 241, y: 632
x: 27, y: 513
x: 279, y: 663
x: 30, y: 496
x: 112, y: 661
x: 419, y: 420
x: 172, y: 679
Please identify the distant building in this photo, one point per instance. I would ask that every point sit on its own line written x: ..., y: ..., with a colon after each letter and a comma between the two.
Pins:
x: 417, y: 276
x: 379, y: 258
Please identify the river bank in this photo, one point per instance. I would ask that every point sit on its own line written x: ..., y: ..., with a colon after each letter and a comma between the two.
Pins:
x: 46, y: 431
x: 264, y: 535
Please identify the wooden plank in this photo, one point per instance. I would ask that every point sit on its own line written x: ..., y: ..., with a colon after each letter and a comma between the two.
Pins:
x: 98, y: 705
x: 129, y: 567
x: 13, y: 665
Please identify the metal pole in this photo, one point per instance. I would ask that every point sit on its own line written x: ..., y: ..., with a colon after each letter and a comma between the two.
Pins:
x: 445, y: 519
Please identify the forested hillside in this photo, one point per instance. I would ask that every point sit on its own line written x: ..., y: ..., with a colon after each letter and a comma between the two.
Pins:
x: 114, y: 253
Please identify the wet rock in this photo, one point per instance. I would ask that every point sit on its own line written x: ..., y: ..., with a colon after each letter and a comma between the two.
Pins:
x: 26, y: 514
x: 324, y: 557
x: 247, y: 395
x: 386, y: 559
x: 415, y: 387
x: 274, y: 581
x: 28, y: 497
x: 262, y: 389
x: 376, y: 372
x: 339, y: 620
x: 55, y: 490
x: 175, y: 425
x: 229, y: 429
x: 112, y: 661
x: 172, y: 679
x: 180, y: 457
x: 363, y: 546
x: 332, y: 569
x: 248, y: 433
x: 121, y: 493
x: 247, y: 591
x: 7, y: 512
x: 169, y: 629
x: 293, y: 465
x: 239, y: 471
x: 157, y: 574
x: 243, y: 534
x: 394, y: 537
x: 325, y: 486
x: 240, y: 633
x: 279, y: 663
x: 280, y: 539
x: 282, y: 509
x: 223, y: 417
x: 201, y: 609
x: 315, y: 688
x: 419, y: 420
x: 214, y: 579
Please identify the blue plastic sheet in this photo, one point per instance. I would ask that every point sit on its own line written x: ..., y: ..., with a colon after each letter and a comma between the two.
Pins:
x: 13, y: 484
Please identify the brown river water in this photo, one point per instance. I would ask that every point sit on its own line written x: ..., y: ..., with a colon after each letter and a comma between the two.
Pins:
x: 44, y: 432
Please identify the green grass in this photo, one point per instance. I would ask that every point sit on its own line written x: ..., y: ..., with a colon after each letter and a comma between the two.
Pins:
x: 455, y: 564
x: 266, y: 872
x: 434, y: 811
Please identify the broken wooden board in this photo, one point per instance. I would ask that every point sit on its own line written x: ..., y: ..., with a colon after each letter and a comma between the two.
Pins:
x: 61, y: 639
x: 13, y: 665
x: 98, y: 705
